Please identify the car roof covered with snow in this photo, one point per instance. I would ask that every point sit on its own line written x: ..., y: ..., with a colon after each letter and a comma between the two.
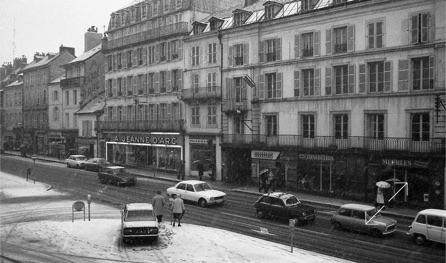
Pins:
x: 139, y: 206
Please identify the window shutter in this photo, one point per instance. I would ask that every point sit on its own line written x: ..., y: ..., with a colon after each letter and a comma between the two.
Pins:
x: 124, y: 59
x: 180, y: 49
x: 157, y: 82
x: 157, y: 53
x: 387, y: 76
x: 228, y: 88
x: 279, y: 85
x: 296, y: 46
x: 403, y: 75
x: 296, y: 83
x: 230, y: 56
x: 431, y: 25
x: 413, y: 29
x: 245, y: 54
x: 262, y: 52
x: 169, y: 51
x: 114, y: 62
x: 180, y: 80
x: 317, y: 81
x: 317, y: 43
x: 191, y: 57
x: 165, y: 51
x: 328, y: 36
x: 115, y: 115
x: 362, y: 78
x: 169, y: 111
x: 169, y: 81
x: 370, y: 36
x: 144, y: 55
x: 328, y: 83
x: 351, y: 79
x: 114, y: 89
x: 135, y: 57
x: 424, y: 27
x: 262, y: 86
x: 351, y: 38
x: 431, y: 72
x: 383, y: 36
x: 279, y: 49
x: 144, y: 80
x: 105, y: 114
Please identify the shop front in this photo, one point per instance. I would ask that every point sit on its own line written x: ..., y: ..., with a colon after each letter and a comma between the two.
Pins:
x: 202, y: 156
x: 266, y: 160
x: 152, y: 150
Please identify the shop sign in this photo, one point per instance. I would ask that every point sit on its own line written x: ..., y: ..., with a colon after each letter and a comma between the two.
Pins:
x: 198, y: 141
x: 54, y: 133
x: 316, y: 157
x: 397, y: 162
x: 264, y: 155
x: 147, y: 139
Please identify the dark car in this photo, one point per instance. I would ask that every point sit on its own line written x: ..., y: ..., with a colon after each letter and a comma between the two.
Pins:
x: 283, y: 205
x: 116, y: 175
x: 96, y: 164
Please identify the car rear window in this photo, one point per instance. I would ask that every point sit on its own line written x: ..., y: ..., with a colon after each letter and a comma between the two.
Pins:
x: 139, y: 215
x: 292, y: 201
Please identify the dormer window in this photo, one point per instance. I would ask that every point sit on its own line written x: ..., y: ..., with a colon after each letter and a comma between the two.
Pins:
x: 143, y: 11
x: 269, y: 12
x: 305, y: 5
x: 198, y: 27
x: 238, y: 19
x: 215, y: 23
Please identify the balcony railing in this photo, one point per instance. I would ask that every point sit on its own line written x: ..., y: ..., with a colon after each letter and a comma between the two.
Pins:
x: 202, y: 93
x: 234, y: 106
x: 77, y: 81
x: 353, y: 142
x: 143, y: 125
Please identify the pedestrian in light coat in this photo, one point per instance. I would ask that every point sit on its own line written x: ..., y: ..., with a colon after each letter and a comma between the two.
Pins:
x: 178, y: 209
x: 158, y: 206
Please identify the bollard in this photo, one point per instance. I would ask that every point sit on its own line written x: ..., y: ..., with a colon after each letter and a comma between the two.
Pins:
x: 89, y: 202
x: 28, y: 173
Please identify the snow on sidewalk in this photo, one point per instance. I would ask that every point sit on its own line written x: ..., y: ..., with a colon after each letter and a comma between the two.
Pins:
x: 98, y: 239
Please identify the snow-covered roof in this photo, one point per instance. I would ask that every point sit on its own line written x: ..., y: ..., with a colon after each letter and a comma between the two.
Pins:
x: 88, y: 54
x: 15, y: 83
x: 93, y: 106
x: 46, y: 59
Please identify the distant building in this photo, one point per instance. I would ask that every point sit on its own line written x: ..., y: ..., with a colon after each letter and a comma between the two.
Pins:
x: 37, y: 77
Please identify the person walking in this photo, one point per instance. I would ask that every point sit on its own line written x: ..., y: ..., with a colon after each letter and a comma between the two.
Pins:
x: 178, y: 209
x: 272, y: 181
x: 379, y: 198
x: 158, y: 206
x: 263, y: 179
x: 200, y: 168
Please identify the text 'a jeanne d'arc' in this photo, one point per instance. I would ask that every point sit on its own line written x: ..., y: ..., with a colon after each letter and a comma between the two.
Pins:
x: 147, y: 139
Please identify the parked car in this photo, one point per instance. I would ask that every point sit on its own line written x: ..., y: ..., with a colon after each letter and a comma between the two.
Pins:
x: 96, y: 164
x: 76, y: 161
x: 197, y: 191
x: 138, y: 221
x: 116, y: 175
x: 363, y: 218
x: 429, y: 225
x: 284, y: 205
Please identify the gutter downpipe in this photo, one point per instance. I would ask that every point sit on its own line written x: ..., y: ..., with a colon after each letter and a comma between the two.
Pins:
x: 221, y: 101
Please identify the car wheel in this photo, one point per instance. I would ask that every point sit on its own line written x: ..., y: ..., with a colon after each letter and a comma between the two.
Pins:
x: 260, y: 214
x: 202, y: 202
x: 419, y: 239
x: 78, y: 166
x: 337, y: 225
x: 375, y: 233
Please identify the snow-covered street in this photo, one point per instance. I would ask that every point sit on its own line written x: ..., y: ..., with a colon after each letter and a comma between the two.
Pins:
x: 38, y: 218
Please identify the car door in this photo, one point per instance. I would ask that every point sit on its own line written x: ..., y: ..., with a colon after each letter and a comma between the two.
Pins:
x: 345, y: 218
x: 358, y: 220
x: 434, y: 228
x: 189, y: 193
x: 180, y: 190
x: 277, y: 207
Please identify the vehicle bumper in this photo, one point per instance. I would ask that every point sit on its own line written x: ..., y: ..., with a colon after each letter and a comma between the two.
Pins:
x: 217, y: 202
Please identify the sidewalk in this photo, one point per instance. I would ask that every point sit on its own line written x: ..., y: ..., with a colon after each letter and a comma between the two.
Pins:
x: 332, y: 202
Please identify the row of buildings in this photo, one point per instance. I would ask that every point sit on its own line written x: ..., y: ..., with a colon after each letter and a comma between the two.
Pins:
x: 331, y: 95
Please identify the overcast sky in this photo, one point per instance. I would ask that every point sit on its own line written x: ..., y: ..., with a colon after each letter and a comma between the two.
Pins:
x: 44, y: 25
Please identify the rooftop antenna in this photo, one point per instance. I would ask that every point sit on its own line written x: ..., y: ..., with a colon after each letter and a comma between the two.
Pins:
x: 13, y: 42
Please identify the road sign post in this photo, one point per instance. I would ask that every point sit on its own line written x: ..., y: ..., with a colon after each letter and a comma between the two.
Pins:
x: 291, y: 225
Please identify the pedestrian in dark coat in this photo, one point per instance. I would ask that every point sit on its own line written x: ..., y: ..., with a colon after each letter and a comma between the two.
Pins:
x: 200, y: 168
x: 272, y: 182
x: 263, y: 180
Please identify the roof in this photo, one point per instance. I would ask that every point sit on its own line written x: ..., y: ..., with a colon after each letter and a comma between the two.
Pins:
x: 44, y: 61
x: 58, y: 79
x: 139, y: 206
x: 192, y: 182
x: 115, y: 167
x: 86, y: 55
x: 15, y: 83
x: 433, y: 212
x: 95, y: 105
x: 358, y: 207
x: 280, y: 195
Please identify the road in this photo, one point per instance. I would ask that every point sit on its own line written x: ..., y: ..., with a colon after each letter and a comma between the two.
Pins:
x: 237, y: 215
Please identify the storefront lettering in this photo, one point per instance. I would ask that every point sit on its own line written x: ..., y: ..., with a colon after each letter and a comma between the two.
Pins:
x: 397, y: 162
x: 316, y: 157
x: 148, y: 140
x: 264, y: 155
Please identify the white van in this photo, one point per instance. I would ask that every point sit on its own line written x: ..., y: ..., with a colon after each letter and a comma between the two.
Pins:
x: 429, y: 224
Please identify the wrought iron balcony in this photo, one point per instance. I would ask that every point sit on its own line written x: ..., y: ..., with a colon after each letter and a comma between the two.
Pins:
x: 77, y: 81
x: 201, y: 94
x: 330, y: 142
x: 234, y: 106
x: 143, y: 125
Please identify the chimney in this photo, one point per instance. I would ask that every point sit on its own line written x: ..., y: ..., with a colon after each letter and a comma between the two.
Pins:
x: 92, y: 38
x: 68, y: 49
x: 250, y: 2
x: 37, y: 57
